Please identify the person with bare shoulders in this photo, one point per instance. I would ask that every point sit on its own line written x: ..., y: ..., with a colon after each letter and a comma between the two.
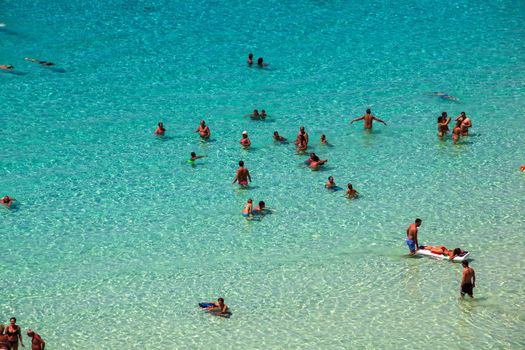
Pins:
x: 250, y: 59
x: 203, y: 130
x: 43, y: 63
x: 278, y: 138
x: 248, y: 209
x: 330, y: 184
x: 263, y: 114
x: 254, y: 115
x: 412, y: 236
x: 456, y: 132
x: 6, y: 66
x: 351, y: 193
x: 324, y: 141
x: 4, y: 342
x: 301, y: 143
x: 160, y: 129
x: 466, y: 123
x: 443, y: 122
x: 220, y: 308
x: 37, y: 343
x: 368, y: 119
x: 242, y: 176
x: 7, y: 201
x: 304, y: 134
x: 14, y: 334
x: 314, y: 161
x: 468, y: 280
x: 245, y: 141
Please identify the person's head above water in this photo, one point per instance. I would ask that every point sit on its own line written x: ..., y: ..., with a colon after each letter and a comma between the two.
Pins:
x: 260, y: 61
x: 275, y: 133
x: 241, y: 163
x: 463, y: 114
x: 250, y: 55
x: 368, y: 111
x: 203, y: 123
x: 456, y: 251
x: 464, y: 263
x: 193, y: 155
x: 255, y: 112
x: 350, y: 187
x: 250, y: 200
x: 160, y: 124
x: 444, y: 114
x: 330, y: 178
x: 418, y: 222
x: 221, y: 301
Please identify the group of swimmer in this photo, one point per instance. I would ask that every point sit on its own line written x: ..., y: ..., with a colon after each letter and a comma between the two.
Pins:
x: 463, y: 124
x: 249, y: 211
x: 260, y: 61
x: 11, y: 335
x: 468, y: 279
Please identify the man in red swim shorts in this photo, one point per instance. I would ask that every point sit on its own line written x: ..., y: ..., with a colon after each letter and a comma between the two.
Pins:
x: 243, y: 175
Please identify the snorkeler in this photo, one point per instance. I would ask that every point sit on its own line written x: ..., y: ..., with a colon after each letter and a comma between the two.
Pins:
x: 245, y: 141
x: 278, y: 138
x: 43, y: 63
x: 250, y: 59
x: 160, y: 129
x: 248, y: 209
x: 242, y: 176
x: 330, y: 184
x: 203, y: 130
x: 260, y: 62
x: 351, y: 193
x: 6, y: 201
x: 6, y: 66
x: 445, y: 96
x: 368, y: 119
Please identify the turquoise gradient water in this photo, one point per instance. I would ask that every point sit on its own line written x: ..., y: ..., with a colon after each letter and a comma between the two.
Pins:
x: 116, y: 238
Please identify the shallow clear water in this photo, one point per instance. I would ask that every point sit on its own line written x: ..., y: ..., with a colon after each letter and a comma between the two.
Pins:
x: 116, y: 238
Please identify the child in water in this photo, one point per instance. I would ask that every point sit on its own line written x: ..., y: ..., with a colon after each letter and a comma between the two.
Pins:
x: 248, y: 209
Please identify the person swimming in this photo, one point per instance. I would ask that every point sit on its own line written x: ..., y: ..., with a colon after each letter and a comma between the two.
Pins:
x: 323, y: 139
x: 160, y: 129
x: 259, y: 209
x: 7, y: 201
x: 260, y: 63
x: 254, y: 115
x: 315, y: 162
x: 43, y: 63
x: 245, y: 141
x: 203, y: 130
x: 277, y: 137
x: 445, y: 96
x: 248, y: 208
x: 6, y: 66
x: 220, y: 308
x: 330, y: 184
x: 263, y: 114
x: 194, y: 157
x: 350, y: 192
x: 250, y: 59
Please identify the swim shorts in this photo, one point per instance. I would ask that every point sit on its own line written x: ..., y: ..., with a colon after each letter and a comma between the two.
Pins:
x: 245, y: 215
x: 411, y: 245
x: 467, y: 288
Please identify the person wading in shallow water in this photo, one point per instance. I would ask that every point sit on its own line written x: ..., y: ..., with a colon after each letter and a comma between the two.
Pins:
x: 37, y: 343
x: 368, y: 119
x: 412, y: 236
x: 14, y: 334
x: 468, y: 280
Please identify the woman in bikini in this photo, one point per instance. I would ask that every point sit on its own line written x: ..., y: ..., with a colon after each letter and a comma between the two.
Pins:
x: 14, y: 334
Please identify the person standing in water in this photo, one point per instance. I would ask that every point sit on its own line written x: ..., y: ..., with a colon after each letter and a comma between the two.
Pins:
x: 203, y: 130
x: 368, y: 119
x: 468, y: 280
x: 303, y: 133
x: 411, y: 240
x: 456, y: 132
x: 14, y: 334
x: 245, y: 141
x: 443, y: 122
x: 160, y: 129
x: 37, y: 343
x: 242, y: 176
x: 466, y: 123
x: 248, y: 208
x: 350, y: 192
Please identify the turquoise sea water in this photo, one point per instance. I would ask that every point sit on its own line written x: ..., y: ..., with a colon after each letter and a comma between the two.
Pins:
x: 116, y: 238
